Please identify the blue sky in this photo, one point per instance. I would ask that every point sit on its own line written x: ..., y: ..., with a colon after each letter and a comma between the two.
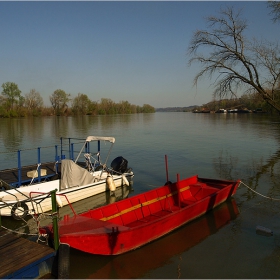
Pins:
x: 131, y: 51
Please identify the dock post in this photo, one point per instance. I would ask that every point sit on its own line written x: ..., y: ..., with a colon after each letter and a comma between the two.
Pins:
x: 72, y: 151
x: 19, y: 169
x: 55, y: 224
x: 166, y: 169
x: 56, y: 160
x: 61, y: 147
x: 39, y: 164
x: 178, y: 190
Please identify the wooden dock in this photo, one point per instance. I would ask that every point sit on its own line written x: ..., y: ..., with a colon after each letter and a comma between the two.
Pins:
x: 11, y: 176
x: 22, y: 258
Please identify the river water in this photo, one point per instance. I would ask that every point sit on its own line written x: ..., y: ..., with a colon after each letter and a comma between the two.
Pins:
x: 223, y: 243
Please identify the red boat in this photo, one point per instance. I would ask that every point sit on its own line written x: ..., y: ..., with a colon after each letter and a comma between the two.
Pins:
x: 165, y: 250
x: 133, y: 222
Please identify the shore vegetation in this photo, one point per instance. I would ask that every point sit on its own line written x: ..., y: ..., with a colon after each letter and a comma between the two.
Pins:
x: 13, y: 104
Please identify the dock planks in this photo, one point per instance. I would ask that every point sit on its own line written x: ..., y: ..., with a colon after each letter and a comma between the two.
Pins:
x: 10, y: 176
x: 20, y: 256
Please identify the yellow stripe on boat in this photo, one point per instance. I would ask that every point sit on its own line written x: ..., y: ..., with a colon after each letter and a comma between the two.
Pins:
x: 142, y: 204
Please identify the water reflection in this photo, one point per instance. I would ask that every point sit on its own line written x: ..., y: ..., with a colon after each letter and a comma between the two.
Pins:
x: 224, y: 166
x: 137, y: 263
x: 85, y: 124
x: 29, y: 225
x: 25, y: 133
x: 60, y: 126
x: 256, y: 173
x: 227, y: 146
x: 12, y: 133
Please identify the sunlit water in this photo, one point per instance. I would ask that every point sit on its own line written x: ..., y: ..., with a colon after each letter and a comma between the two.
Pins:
x: 228, y: 146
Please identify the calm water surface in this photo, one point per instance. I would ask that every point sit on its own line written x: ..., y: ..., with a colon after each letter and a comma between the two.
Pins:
x: 223, y: 243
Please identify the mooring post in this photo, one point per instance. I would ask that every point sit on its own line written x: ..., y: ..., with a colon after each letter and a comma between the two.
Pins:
x: 39, y: 164
x: 19, y: 169
x: 54, y: 218
x: 178, y: 189
x: 166, y: 169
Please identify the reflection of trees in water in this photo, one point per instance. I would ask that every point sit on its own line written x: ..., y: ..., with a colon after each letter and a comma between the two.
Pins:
x: 225, y: 166
x: 254, y: 174
x: 114, y: 122
x: 265, y: 171
x: 60, y: 126
x: 107, y: 124
x: 12, y: 133
x: 270, y: 168
x: 34, y: 127
x: 85, y: 125
x: 93, y: 125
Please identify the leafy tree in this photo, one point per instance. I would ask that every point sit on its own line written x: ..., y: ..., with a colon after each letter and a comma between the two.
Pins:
x: 148, y: 109
x: 106, y: 107
x: 93, y: 108
x: 81, y: 104
x: 140, y: 109
x: 236, y: 62
x: 124, y: 107
x: 11, y: 93
x: 59, y: 100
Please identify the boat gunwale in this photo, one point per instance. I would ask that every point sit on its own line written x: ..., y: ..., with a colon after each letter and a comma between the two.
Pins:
x: 169, y: 212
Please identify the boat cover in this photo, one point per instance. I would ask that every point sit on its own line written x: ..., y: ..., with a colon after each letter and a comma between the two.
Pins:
x: 72, y: 175
x: 98, y: 138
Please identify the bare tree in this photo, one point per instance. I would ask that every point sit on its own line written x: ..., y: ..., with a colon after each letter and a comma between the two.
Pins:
x: 235, y: 62
x: 275, y: 9
x: 33, y: 100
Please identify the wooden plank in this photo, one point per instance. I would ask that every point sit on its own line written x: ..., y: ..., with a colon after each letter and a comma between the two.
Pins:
x: 11, y: 175
x: 17, y: 252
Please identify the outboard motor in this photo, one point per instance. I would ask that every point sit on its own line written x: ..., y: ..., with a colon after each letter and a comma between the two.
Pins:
x: 119, y: 164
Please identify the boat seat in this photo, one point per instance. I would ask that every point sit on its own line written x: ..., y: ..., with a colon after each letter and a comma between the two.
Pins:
x: 162, y: 213
x: 189, y: 201
x: 139, y: 222
x: 35, y: 174
x: 83, y: 224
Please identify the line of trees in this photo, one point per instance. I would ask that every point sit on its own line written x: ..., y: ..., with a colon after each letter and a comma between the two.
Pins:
x: 13, y: 104
x: 248, y: 101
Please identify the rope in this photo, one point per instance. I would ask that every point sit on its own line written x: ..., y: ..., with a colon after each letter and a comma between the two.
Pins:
x: 34, y: 173
x: 17, y: 232
x: 268, y: 197
x: 37, y: 221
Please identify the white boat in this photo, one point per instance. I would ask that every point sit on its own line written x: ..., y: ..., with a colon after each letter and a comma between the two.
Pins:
x: 221, y: 111
x: 233, y: 111
x: 75, y: 183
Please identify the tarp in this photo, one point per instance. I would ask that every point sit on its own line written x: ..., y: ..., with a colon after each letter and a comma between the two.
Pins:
x: 100, y: 138
x: 72, y: 175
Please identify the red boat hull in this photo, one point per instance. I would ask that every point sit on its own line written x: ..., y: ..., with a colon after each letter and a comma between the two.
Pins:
x: 131, y: 223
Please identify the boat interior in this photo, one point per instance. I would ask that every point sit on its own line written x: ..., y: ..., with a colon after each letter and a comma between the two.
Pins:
x: 154, y: 204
